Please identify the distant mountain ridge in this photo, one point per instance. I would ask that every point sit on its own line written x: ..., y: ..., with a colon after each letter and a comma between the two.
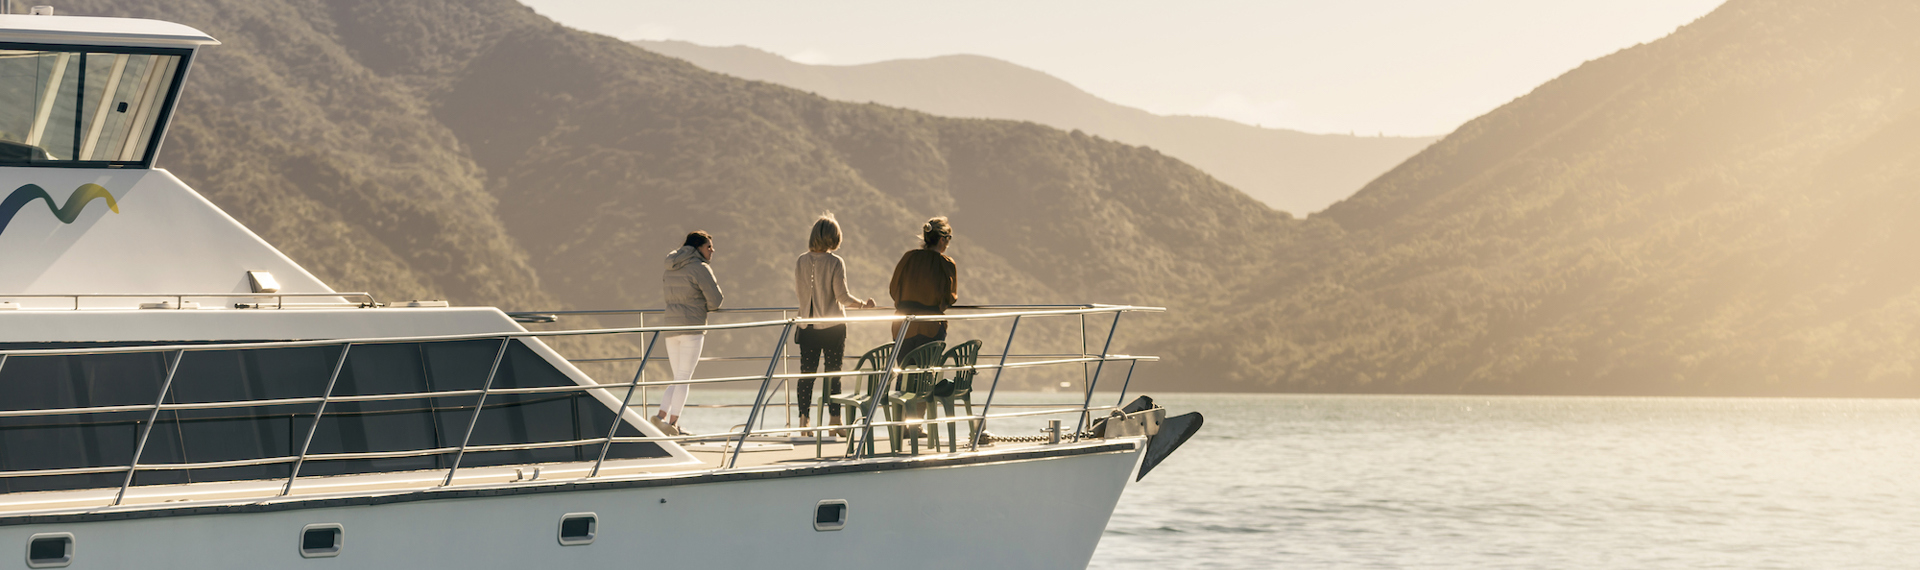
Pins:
x: 478, y: 152
x: 1288, y: 170
x: 1729, y: 210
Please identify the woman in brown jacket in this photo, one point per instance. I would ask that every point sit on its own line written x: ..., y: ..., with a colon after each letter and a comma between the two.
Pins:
x: 925, y: 282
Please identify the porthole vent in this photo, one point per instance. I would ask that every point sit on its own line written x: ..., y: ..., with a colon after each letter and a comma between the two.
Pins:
x: 50, y: 550
x: 830, y: 515
x: 578, y: 528
x: 322, y: 540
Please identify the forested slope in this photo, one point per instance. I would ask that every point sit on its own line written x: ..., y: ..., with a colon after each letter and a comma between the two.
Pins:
x: 479, y: 152
x: 1726, y: 211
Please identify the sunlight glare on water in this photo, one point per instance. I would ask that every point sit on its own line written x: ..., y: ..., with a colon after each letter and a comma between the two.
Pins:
x: 1298, y: 481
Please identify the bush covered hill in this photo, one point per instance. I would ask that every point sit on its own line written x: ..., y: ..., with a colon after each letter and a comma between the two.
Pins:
x: 478, y: 152
x: 1730, y: 210
x: 1289, y: 170
x: 1726, y: 211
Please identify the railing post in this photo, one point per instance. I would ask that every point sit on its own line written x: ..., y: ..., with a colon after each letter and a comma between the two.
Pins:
x: 147, y: 430
x: 1104, y: 348
x: 1129, y: 382
x: 643, y: 371
x: 995, y: 385
x: 786, y: 385
x: 875, y: 394
x: 621, y: 413
x: 1084, y: 379
x: 326, y: 396
x: 759, y: 400
x: 478, y: 407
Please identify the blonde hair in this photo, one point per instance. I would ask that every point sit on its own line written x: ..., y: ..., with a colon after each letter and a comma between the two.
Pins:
x: 934, y: 229
x: 826, y: 234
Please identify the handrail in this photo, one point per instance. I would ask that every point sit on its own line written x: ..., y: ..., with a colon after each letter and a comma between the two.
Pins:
x: 147, y: 430
x: 279, y: 299
x: 478, y: 407
x: 238, y: 404
x: 625, y: 401
x: 645, y: 311
x: 785, y: 309
x: 865, y: 427
x: 67, y: 471
x: 542, y: 334
x: 1095, y: 379
x: 408, y: 453
x: 314, y: 427
x: 994, y: 386
x: 792, y: 357
x: 761, y: 398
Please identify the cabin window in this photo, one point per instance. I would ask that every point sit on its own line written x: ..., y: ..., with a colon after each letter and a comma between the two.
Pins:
x: 50, y: 550
x: 577, y: 529
x: 65, y: 107
x: 322, y: 540
x: 277, y: 430
x: 830, y: 515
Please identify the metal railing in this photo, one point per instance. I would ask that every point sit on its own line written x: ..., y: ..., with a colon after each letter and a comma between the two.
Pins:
x: 788, y: 312
x: 736, y: 440
x: 180, y: 299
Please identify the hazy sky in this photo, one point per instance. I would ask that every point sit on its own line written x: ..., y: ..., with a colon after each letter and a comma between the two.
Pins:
x: 1399, y: 67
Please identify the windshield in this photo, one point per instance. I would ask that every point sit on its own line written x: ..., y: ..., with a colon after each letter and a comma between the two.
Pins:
x: 73, y: 108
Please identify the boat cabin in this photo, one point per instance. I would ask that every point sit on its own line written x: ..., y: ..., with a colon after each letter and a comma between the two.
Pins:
x: 89, y: 92
x: 104, y: 252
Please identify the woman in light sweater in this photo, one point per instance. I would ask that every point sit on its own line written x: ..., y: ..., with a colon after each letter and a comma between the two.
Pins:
x: 690, y: 291
x: 820, y: 282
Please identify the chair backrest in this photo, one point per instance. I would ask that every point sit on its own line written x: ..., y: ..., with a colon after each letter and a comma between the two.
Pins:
x: 964, y: 354
x: 923, y: 356
x: 875, y: 360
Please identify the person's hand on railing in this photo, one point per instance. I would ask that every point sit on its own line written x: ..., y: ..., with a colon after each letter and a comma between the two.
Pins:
x: 868, y: 304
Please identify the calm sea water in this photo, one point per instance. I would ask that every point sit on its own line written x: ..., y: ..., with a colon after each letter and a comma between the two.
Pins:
x: 1291, y: 481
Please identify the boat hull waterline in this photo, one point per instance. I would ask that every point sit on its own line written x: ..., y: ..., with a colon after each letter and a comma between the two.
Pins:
x: 1047, y: 512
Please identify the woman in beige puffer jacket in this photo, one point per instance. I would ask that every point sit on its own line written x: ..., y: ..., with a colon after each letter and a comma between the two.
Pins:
x: 690, y: 291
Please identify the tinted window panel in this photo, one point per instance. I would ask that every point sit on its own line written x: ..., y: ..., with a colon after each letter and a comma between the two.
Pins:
x: 390, y: 425
x: 182, y: 436
x: 238, y: 433
x: 73, y: 441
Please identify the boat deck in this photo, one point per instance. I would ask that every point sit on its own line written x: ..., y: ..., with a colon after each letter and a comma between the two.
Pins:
x: 762, y: 458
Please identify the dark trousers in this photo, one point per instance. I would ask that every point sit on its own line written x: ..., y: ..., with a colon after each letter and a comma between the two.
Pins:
x: 830, y: 342
x: 908, y: 344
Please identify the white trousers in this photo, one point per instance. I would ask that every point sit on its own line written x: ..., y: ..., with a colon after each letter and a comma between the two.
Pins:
x: 683, y: 352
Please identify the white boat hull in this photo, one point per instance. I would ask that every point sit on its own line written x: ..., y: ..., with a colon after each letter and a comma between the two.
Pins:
x: 1037, y: 512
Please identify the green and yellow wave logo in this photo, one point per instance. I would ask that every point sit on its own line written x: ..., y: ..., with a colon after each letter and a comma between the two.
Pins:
x: 67, y: 213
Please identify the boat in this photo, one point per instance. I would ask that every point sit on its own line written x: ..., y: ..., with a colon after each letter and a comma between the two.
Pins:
x: 177, y: 393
